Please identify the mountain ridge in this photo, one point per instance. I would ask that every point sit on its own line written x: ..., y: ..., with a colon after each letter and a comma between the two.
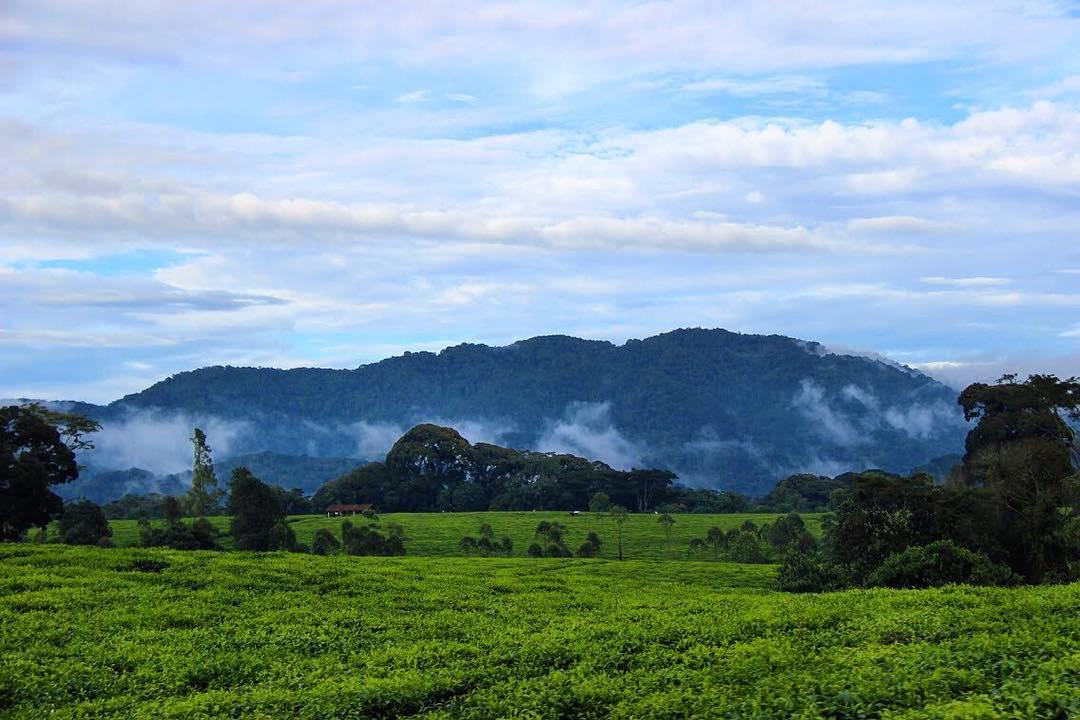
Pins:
x: 723, y: 409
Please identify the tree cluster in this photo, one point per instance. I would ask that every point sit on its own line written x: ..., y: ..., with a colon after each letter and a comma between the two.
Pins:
x: 486, y: 544
x: 751, y: 543
x: 433, y: 468
x: 1008, y: 513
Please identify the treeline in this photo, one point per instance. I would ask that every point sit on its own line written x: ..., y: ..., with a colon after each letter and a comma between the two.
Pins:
x: 433, y: 468
x: 1009, y: 513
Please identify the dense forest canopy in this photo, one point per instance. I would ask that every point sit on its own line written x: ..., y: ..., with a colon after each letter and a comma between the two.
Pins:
x: 720, y: 409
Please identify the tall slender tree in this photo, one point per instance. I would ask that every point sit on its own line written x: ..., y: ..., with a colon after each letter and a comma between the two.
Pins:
x: 204, y: 495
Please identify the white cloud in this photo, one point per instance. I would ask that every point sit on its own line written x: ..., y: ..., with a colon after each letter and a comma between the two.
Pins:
x: 412, y: 97
x: 967, y: 281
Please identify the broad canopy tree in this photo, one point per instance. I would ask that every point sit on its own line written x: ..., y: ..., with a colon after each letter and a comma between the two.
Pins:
x: 34, y: 456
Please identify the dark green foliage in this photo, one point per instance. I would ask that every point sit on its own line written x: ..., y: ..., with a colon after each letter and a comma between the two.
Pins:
x: 880, y: 515
x: 367, y: 539
x: 33, y: 457
x: 134, y: 507
x: 203, y: 497
x: 600, y: 502
x: 171, y: 509
x: 148, y: 565
x: 83, y: 523
x: 281, y: 537
x: 550, y: 537
x: 324, y: 542
x: 746, y: 546
x: 257, y: 512
x: 716, y: 404
x: 940, y: 563
x: 293, y: 502
x: 536, y: 550
x: 1020, y: 454
x: 789, y: 534
x: 178, y: 535
x: 590, y: 547
x: 803, y: 572
x: 486, y: 544
x: 805, y: 493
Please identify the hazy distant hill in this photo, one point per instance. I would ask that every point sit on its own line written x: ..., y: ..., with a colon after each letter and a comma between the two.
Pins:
x: 724, y: 409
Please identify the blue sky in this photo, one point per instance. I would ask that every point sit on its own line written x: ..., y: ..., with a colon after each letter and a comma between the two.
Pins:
x: 329, y: 183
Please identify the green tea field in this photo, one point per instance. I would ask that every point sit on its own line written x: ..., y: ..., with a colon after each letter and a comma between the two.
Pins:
x: 130, y: 633
x: 440, y: 533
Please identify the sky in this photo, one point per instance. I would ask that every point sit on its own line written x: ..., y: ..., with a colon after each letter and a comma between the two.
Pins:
x: 329, y: 183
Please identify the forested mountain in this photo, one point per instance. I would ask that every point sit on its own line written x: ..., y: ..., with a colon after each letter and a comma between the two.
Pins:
x: 719, y: 408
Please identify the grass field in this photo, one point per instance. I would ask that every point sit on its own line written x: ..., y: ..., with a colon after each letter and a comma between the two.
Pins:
x: 439, y: 533
x: 84, y: 634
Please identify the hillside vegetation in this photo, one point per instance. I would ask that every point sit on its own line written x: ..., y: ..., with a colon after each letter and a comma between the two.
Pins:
x: 720, y: 408
x: 88, y: 632
x: 440, y: 533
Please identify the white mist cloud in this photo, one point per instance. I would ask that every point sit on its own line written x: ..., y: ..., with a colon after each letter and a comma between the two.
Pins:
x: 586, y: 430
x: 160, y: 441
x: 810, y: 402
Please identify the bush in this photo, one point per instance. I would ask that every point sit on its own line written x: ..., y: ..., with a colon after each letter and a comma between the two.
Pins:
x: 368, y: 540
x: 744, y: 546
x: 806, y: 572
x: 591, y: 546
x: 600, y: 503
x: 535, y: 550
x: 939, y: 563
x: 200, y: 535
x: 148, y: 565
x: 324, y: 542
x: 83, y: 523
x: 281, y: 537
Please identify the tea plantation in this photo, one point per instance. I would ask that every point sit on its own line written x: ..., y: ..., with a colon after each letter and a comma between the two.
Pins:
x: 89, y: 632
x: 440, y: 533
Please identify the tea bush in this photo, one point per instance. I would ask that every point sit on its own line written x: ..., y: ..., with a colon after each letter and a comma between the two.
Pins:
x: 234, y: 634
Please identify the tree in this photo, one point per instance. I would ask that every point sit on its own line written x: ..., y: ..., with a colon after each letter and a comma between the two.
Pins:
x: 204, y: 495
x: 600, y: 502
x: 716, y: 539
x: 591, y: 546
x: 83, y: 523
x: 324, y: 542
x: 940, y: 563
x: 649, y: 484
x: 256, y: 510
x: 1021, y: 452
x: 171, y: 510
x: 789, y: 534
x: 33, y: 456
x: 281, y: 537
x: 667, y: 522
x: 618, y: 514
x: 879, y: 515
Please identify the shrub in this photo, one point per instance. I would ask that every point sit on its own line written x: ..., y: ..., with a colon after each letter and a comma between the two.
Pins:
x: 591, y: 546
x: 808, y: 572
x: 368, y: 540
x: 535, y: 550
x: 200, y: 535
x: 600, y: 503
x: 148, y: 565
x: 744, y: 546
x: 83, y: 523
x: 281, y: 537
x: 324, y: 542
x: 939, y: 563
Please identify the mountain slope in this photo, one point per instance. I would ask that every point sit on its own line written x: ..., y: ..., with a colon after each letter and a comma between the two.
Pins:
x: 720, y: 408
